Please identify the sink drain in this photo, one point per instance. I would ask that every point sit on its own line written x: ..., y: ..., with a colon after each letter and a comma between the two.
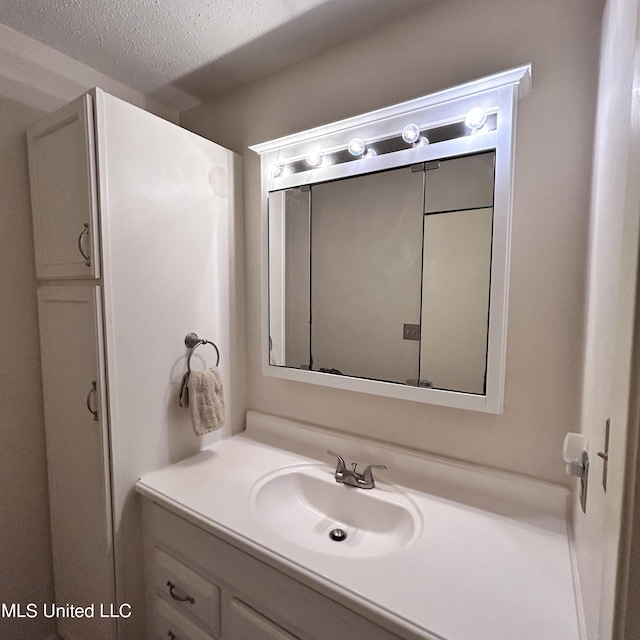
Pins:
x: 338, y: 535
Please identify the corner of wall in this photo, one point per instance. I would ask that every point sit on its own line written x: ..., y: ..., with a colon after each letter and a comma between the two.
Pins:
x: 38, y: 76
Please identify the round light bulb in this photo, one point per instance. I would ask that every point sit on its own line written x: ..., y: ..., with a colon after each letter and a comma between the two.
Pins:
x: 411, y: 133
x: 275, y: 170
x: 422, y: 141
x: 370, y: 153
x: 314, y: 159
x: 476, y: 118
x: 356, y: 147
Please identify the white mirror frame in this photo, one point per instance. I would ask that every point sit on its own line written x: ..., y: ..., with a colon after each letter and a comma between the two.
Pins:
x: 497, y: 93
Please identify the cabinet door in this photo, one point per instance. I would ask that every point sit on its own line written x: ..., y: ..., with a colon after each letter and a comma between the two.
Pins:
x: 248, y: 624
x: 77, y: 456
x: 62, y: 173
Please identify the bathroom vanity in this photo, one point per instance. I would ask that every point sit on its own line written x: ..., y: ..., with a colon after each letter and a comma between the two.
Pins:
x: 238, y: 545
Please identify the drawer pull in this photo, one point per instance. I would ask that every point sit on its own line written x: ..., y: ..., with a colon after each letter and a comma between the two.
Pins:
x: 179, y: 598
x: 172, y: 635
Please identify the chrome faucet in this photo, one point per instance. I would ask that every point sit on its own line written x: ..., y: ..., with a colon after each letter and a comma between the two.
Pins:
x: 351, y: 477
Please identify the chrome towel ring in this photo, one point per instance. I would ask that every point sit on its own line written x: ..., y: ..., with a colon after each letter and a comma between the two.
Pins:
x: 193, y: 341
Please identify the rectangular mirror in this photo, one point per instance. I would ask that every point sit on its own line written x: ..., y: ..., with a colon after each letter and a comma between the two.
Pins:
x: 386, y: 248
x: 386, y: 276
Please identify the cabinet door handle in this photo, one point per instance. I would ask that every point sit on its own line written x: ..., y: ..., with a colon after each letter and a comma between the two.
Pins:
x: 92, y: 391
x: 83, y: 233
x: 179, y: 598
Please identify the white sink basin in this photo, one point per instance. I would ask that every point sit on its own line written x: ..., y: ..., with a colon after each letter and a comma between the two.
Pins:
x: 304, y: 504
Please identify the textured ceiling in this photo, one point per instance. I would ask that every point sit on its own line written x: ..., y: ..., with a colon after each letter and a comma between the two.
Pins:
x: 201, y: 47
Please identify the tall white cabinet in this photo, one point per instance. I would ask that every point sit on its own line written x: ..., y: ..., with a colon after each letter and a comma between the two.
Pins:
x: 138, y: 239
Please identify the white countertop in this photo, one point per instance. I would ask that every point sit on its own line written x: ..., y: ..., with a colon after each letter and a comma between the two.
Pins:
x: 493, y: 561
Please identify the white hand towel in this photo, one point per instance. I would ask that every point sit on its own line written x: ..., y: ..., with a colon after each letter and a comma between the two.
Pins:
x: 206, y: 400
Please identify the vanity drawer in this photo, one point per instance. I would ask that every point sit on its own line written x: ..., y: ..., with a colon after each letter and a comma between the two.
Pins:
x: 172, y: 625
x: 187, y: 591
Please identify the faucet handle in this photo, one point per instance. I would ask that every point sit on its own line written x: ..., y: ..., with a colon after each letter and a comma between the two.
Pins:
x: 367, y: 476
x: 341, y: 465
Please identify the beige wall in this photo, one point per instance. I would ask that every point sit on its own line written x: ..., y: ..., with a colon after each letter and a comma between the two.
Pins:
x: 449, y: 42
x: 25, y: 551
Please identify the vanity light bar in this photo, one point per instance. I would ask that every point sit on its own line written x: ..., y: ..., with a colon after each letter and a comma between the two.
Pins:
x: 477, y: 121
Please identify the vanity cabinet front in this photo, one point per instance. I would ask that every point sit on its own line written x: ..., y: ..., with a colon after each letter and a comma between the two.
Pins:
x: 242, y: 597
x: 113, y: 324
x: 62, y: 169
